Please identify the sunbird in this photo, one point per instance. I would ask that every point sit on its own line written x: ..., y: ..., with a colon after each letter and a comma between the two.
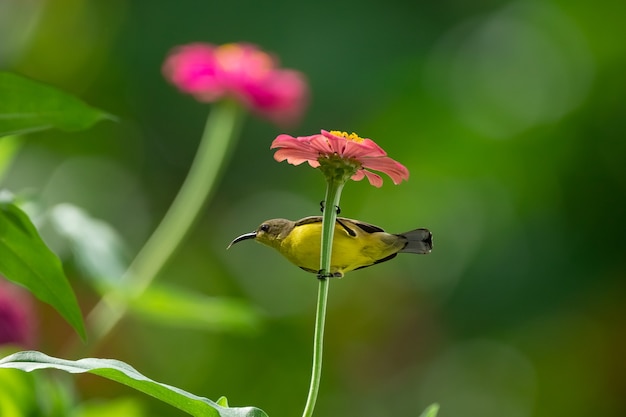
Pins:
x: 356, y: 244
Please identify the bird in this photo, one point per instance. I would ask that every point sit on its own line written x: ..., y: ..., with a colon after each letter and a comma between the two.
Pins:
x: 356, y: 244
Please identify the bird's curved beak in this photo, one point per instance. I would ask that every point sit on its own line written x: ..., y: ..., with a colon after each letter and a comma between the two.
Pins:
x: 247, y: 236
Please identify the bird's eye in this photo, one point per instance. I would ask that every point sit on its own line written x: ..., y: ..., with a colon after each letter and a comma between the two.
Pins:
x: 264, y: 227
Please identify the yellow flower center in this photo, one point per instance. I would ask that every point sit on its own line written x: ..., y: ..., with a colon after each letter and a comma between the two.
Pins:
x: 352, y: 136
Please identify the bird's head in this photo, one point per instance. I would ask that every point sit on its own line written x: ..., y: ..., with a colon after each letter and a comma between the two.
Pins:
x: 270, y: 233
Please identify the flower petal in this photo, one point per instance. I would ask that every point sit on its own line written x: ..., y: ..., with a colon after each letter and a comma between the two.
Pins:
x: 350, y: 148
x: 395, y: 170
x: 286, y: 141
x: 283, y: 97
x: 324, y: 145
x: 360, y: 174
x: 242, y: 72
x: 294, y: 150
x: 293, y: 156
x: 359, y: 150
x: 336, y: 143
x: 374, y: 179
x: 192, y: 68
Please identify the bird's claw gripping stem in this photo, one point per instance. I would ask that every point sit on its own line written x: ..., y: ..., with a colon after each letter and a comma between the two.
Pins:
x: 322, y: 275
x: 337, y: 208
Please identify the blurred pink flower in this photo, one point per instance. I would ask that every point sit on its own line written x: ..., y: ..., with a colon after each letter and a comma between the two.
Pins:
x: 17, y: 326
x: 240, y: 71
x: 363, y: 154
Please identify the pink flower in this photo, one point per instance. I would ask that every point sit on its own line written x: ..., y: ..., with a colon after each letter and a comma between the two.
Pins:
x: 17, y: 325
x: 362, y: 154
x: 242, y: 72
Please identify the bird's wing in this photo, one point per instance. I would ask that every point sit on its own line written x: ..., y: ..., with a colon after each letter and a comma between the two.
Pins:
x: 345, y: 222
x: 309, y: 220
x: 393, y: 255
x: 366, y: 227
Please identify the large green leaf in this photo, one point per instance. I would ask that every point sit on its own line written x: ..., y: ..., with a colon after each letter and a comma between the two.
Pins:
x: 175, y: 306
x: 29, y: 106
x: 26, y: 260
x: 124, y: 407
x: 100, y: 253
x: 127, y: 375
x: 9, y: 146
x: 431, y: 411
x: 98, y: 249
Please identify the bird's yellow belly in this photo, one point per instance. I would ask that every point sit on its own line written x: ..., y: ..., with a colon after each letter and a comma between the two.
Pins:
x: 302, y: 247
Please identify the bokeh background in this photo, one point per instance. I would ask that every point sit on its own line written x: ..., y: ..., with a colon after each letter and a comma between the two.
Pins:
x: 511, y: 119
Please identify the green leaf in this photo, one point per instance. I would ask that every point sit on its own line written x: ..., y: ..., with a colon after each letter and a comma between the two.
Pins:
x: 26, y: 260
x: 24, y: 394
x: 126, y: 407
x: 30, y: 106
x: 170, y: 305
x: 127, y: 375
x: 99, y: 250
x: 17, y: 393
x: 8, y: 148
x: 431, y: 411
x: 223, y: 401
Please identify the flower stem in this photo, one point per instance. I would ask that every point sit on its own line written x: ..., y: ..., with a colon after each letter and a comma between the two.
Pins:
x: 333, y: 195
x: 218, y: 140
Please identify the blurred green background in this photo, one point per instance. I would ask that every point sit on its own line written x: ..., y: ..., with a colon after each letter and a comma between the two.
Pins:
x: 511, y: 119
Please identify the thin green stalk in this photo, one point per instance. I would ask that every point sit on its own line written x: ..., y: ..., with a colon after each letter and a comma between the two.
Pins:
x: 333, y: 195
x: 218, y: 140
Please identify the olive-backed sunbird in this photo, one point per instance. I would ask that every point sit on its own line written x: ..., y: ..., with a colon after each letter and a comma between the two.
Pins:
x: 355, y: 244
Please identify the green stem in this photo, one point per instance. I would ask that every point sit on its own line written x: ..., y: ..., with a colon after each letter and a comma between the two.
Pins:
x: 333, y: 194
x: 218, y: 140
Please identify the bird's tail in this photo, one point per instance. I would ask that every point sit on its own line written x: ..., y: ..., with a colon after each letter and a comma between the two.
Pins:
x: 418, y: 241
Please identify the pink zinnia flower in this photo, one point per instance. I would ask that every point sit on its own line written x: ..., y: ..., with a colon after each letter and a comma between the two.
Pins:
x: 16, y: 316
x: 359, y: 153
x: 239, y: 71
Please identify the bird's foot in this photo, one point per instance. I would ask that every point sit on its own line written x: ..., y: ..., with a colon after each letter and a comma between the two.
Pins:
x: 322, y: 207
x: 322, y: 275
